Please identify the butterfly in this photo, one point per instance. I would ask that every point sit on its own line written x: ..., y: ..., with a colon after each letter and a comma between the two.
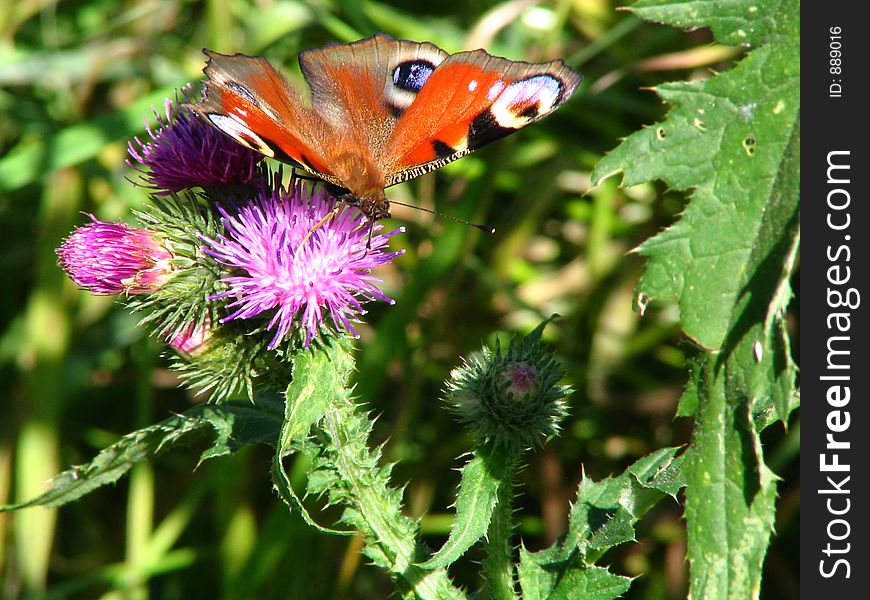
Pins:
x: 382, y: 111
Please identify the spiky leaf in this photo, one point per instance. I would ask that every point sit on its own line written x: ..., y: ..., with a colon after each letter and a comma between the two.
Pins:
x: 478, y: 494
x: 603, y: 516
x: 731, y: 494
x: 235, y: 425
x: 734, y: 138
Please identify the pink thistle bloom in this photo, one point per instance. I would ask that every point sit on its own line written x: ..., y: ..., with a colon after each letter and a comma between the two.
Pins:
x: 115, y: 258
x: 185, y: 152
x: 192, y: 339
x: 300, y: 255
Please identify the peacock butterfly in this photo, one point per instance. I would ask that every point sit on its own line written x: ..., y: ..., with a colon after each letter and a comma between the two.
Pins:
x: 382, y: 111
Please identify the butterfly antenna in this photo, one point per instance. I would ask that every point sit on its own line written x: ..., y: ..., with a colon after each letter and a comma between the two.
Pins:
x: 486, y: 228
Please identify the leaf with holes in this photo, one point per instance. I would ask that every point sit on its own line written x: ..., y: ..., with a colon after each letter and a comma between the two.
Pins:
x: 733, y: 139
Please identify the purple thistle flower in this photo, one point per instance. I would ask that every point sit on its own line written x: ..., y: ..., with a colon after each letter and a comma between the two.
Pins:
x: 115, y: 258
x: 301, y: 255
x: 185, y: 152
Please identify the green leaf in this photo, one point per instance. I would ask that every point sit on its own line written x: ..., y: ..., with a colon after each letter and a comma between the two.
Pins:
x: 604, y: 513
x: 731, y: 494
x: 320, y: 376
x: 602, y: 517
x: 240, y: 424
x: 544, y: 577
x: 236, y: 425
x: 348, y: 471
x: 590, y: 583
x: 736, y: 22
x: 537, y: 573
x: 734, y: 139
x: 478, y: 493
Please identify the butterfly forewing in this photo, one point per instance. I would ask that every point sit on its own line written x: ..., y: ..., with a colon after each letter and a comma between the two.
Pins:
x: 246, y: 98
x: 362, y: 88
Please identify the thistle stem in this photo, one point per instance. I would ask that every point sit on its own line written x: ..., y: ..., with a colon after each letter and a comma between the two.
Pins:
x: 389, y: 533
x: 499, y: 564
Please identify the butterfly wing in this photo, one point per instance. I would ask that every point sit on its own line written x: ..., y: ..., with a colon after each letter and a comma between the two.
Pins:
x: 468, y: 101
x: 382, y: 110
x: 246, y: 98
x: 362, y: 88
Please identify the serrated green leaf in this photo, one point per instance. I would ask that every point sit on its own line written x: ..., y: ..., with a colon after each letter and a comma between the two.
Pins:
x: 736, y: 22
x: 733, y: 139
x: 604, y: 513
x: 641, y: 487
x: 616, y: 529
x: 347, y: 470
x: 660, y: 471
x: 543, y: 576
x: 478, y: 493
x: 538, y: 572
x: 319, y: 377
x: 590, y: 583
x: 236, y: 425
x: 239, y: 424
x: 602, y: 517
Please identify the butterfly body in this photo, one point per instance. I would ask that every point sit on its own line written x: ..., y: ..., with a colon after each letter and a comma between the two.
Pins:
x: 382, y: 111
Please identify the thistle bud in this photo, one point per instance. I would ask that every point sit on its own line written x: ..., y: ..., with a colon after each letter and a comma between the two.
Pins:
x: 192, y: 338
x: 510, y: 399
x: 115, y: 258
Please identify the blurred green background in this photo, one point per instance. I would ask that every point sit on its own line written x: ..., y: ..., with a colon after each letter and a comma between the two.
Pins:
x: 77, y: 80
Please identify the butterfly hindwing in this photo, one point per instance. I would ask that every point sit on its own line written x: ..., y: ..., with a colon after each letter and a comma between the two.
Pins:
x: 470, y: 100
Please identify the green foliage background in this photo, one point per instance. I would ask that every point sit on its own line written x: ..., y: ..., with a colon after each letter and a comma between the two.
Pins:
x: 76, y: 79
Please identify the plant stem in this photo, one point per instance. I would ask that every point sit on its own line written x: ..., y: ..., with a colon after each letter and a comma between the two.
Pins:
x: 498, y: 564
x: 389, y: 534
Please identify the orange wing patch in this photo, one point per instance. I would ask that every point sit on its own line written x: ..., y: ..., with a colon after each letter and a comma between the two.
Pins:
x: 470, y: 100
x: 441, y: 115
x: 382, y: 111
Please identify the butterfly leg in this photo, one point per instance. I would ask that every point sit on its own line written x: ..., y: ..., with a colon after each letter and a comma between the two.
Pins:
x: 318, y: 225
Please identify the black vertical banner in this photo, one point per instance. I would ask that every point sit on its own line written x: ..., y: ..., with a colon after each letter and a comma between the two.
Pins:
x: 835, y: 300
